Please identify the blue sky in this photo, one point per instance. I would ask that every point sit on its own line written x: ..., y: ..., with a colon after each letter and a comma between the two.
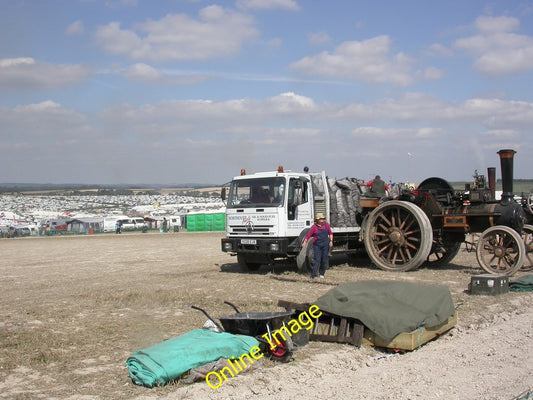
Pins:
x: 179, y: 91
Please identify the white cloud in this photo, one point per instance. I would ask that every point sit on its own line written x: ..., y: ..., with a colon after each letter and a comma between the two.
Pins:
x: 268, y: 4
x: 397, y: 133
x: 76, y: 28
x: 369, y: 60
x: 12, y: 62
x: 432, y: 73
x: 496, y: 50
x: 502, y: 133
x: 438, y: 50
x: 216, y: 33
x: 319, y: 38
x: 143, y: 72
x: 291, y: 103
x: 257, y: 133
x: 47, y: 120
x: 417, y: 108
x: 275, y: 43
x: 25, y: 73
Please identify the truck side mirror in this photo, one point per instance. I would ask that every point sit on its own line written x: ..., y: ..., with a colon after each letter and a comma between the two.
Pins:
x: 223, y: 194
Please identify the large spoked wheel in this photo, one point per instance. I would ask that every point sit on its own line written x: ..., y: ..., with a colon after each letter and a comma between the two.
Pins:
x: 442, y: 254
x: 444, y: 249
x: 500, y: 250
x: 398, y: 236
x: 529, y: 202
x: 528, y: 244
x: 246, y: 265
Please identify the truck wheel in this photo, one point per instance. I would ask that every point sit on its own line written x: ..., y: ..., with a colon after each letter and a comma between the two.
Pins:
x: 304, y: 261
x: 398, y: 236
x: 245, y: 265
x: 500, y: 250
x: 528, y: 243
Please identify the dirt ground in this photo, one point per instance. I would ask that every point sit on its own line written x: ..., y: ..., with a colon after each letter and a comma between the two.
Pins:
x: 74, y: 308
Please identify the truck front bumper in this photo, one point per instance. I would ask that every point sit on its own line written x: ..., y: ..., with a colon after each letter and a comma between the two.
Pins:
x: 271, y: 246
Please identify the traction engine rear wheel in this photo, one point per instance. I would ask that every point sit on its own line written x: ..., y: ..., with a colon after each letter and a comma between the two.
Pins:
x: 500, y: 250
x: 528, y: 243
x: 445, y: 248
x: 398, y: 236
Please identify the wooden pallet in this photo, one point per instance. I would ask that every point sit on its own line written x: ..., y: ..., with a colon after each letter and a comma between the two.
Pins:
x: 411, y: 340
x: 329, y: 327
x: 333, y: 328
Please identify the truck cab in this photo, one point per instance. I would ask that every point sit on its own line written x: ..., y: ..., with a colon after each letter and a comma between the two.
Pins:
x: 265, y: 214
x: 269, y: 213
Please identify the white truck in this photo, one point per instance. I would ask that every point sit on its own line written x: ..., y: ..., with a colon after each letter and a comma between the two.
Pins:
x: 269, y: 213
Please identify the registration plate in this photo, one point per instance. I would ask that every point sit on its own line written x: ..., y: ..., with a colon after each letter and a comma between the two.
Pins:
x: 248, y: 241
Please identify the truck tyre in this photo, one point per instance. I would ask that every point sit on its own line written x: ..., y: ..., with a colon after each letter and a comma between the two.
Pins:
x: 245, y: 265
x: 304, y: 260
x: 398, y: 236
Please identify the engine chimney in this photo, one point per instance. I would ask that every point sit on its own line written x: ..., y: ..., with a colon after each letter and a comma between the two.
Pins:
x: 506, y: 160
x: 491, y: 173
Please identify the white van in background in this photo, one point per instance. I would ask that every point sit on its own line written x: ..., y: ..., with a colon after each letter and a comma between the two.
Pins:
x: 132, y: 224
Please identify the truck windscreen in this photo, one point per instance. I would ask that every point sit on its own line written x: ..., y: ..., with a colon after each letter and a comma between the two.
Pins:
x: 257, y: 192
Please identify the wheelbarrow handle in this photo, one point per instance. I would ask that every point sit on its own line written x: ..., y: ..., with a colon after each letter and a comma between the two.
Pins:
x: 208, y: 316
x: 233, y: 305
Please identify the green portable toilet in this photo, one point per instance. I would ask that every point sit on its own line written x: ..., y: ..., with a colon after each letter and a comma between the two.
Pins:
x: 219, y: 222
x: 208, y: 222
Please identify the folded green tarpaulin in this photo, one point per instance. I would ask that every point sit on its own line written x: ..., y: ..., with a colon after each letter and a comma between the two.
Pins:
x: 389, y: 308
x: 168, y: 360
x: 523, y: 284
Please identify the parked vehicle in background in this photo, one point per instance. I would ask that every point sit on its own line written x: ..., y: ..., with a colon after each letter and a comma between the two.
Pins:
x: 132, y: 224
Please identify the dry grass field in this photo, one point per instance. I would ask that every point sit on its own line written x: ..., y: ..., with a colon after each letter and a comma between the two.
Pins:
x: 74, y: 308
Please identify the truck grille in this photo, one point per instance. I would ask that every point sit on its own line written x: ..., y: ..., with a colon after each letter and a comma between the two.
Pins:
x: 251, y: 230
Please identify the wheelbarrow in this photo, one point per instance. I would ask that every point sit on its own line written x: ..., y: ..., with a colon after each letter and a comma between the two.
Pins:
x: 259, y: 325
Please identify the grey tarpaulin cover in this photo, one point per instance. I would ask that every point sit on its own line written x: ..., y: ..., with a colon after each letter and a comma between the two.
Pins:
x: 389, y: 308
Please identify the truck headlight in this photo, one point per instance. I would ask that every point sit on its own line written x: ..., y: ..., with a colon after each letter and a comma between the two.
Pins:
x: 274, y: 246
x: 228, y: 246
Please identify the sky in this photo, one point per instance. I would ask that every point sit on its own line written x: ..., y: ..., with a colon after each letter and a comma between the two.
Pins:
x: 193, y: 91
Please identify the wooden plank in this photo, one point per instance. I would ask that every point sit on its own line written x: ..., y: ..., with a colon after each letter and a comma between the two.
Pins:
x: 410, y: 340
x: 329, y: 327
x: 368, y: 202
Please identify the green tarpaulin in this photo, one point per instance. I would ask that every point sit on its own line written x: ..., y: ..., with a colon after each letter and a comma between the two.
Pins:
x: 168, y: 360
x: 389, y: 308
x: 523, y: 284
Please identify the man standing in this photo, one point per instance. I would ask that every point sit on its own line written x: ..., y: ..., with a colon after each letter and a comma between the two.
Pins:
x: 322, y: 241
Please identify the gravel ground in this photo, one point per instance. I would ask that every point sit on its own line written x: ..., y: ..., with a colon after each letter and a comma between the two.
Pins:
x: 74, y: 308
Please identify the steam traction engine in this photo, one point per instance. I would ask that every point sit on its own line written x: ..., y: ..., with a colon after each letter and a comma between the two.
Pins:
x: 429, y: 224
